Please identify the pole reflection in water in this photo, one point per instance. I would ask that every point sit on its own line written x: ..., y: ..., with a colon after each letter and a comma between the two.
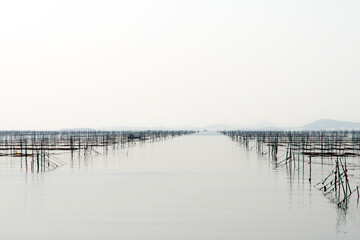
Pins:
x: 201, y: 186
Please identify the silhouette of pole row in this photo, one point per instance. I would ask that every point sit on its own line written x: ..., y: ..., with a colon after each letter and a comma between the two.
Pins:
x: 300, y: 148
x: 38, y: 148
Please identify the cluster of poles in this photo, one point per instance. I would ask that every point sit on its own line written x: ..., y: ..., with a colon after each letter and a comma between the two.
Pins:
x: 297, y: 149
x: 37, y: 149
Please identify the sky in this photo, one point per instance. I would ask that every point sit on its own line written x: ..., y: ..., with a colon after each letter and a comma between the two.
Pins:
x: 177, y: 63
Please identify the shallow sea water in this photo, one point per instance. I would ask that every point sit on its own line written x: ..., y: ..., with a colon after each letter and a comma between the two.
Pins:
x: 203, y: 186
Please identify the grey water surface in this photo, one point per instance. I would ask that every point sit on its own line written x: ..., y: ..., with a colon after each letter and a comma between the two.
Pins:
x: 203, y: 186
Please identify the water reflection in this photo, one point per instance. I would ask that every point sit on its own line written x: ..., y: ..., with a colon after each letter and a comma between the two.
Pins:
x: 341, y: 220
x: 301, y: 173
x: 194, y: 187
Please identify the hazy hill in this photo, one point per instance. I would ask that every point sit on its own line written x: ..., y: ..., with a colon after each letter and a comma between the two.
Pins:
x: 327, y: 124
x: 322, y: 124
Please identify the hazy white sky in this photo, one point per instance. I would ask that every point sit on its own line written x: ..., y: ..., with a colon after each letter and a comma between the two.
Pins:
x: 172, y: 63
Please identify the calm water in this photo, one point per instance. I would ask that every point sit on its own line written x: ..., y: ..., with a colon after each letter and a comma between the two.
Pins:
x: 191, y: 187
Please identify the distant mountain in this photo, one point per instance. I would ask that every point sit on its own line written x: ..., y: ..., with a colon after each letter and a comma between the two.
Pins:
x: 327, y: 124
x: 322, y: 124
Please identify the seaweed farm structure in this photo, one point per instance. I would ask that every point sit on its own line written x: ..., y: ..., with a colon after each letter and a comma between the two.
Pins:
x: 297, y: 150
x: 38, y: 149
